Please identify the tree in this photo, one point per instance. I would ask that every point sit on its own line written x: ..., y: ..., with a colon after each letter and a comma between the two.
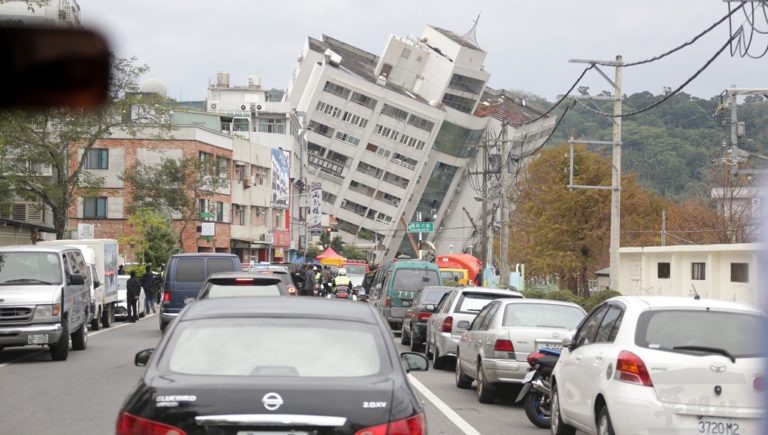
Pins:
x: 312, y: 252
x: 337, y: 244
x: 153, y: 239
x: 175, y: 186
x: 59, y: 140
x: 350, y: 251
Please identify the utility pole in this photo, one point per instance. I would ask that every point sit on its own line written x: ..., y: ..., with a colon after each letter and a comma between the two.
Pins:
x: 504, y: 230
x: 615, y: 187
x: 664, y: 227
x: 484, y: 201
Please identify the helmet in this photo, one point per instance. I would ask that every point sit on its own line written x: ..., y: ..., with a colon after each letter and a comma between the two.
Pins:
x: 342, y: 272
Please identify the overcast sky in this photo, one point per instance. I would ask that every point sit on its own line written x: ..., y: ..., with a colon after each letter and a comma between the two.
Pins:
x: 528, y: 43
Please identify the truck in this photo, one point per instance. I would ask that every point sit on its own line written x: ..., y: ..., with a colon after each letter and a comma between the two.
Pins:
x: 465, y: 267
x: 101, y: 256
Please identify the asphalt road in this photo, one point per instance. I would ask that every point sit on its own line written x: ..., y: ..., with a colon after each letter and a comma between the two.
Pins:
x: 83, y: 394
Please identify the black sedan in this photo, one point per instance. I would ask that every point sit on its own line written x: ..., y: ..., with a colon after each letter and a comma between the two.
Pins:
x: 414, y: 331
x: 305, y: 366
x: 242, y: 284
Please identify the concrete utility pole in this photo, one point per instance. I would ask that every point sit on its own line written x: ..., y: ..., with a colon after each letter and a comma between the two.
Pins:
x: 504, y: 230
x: 486, y: 259
x: 616, y: 166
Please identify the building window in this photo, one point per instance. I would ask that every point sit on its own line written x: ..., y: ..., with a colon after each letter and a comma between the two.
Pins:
x: 466, y: 84
x: 353, y: 119
x: 344, y: 137
x: 698, y: 271
x: 270, y: 125
x: 320, y: 128
x: 386, y: 132
x: 95, y: 208
x: 222, y: 167
x: 459, y: 103
x: 97, y: 158
x: 394, y: 112
x: 219, y: 211
x: 663, y: 270
x: 363, y: 100
x: 328, y: 109
x: 421, y: 123
x: 337, y: 90
x: 329, y: 198
x: 406, y: 53
x: 740, y: 272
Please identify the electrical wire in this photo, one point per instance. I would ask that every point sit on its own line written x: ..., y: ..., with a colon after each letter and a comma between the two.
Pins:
x: 563, y: 98
x: 688, y: 43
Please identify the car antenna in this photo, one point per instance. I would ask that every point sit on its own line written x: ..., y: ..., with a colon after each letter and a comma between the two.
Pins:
x: 696, y: 295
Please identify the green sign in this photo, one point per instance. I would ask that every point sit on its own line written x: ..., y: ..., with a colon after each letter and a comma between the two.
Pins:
x: 421, y: 227
x: 206, y: 215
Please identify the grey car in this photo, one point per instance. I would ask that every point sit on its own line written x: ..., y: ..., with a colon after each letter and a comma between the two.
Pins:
x: 454, y: 314
x: 495, y: 348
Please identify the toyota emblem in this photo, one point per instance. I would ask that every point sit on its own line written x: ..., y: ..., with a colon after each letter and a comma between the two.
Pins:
x: 272, y: 401
x: 717, y: 367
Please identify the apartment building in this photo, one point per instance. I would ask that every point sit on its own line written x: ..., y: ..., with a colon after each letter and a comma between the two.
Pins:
x: 389, y: 136
x: 42, y: 12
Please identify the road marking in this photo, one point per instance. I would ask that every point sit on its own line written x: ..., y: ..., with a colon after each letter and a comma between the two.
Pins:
x: 445, y: 409
x: 90, y: 334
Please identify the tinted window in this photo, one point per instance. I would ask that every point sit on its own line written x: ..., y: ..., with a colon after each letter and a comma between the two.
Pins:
x: 189, y: 270
x: 586, y: 334
x: 610, y: 326
x: 446, y: 302
x: 29, y: 268
x: 737, y: 333
x: 235, y: 291
x: 542, y: 316
x: 477, y: 324
x: 472, y: 303
x: 414, y: 279
x: 276, y: 347
x: 492, y: 308
x: 220, y: 265
x: 354, y: 269
x: 432, y: 296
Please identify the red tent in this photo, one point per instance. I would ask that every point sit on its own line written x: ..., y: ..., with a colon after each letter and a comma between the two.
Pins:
x: 329, y: 256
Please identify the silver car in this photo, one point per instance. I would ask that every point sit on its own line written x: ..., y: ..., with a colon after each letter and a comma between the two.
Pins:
x: 455, y: 312
x: 495, y: 348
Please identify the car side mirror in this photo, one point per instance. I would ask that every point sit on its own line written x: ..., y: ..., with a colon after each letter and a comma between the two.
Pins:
x: 142, y: 357
x: 96, y: 284
x: 414, y: 361
x: 463, y: 324
x: 75, y: 279
x: 567, y: 342
x: 430, y: 307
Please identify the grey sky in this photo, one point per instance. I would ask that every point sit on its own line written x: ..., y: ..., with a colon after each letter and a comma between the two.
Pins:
x: 185, y: 42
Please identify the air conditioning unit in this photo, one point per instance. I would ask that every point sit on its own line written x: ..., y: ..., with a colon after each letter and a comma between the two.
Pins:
x: 213, y: 105
x: 247, y: 182
x: 265, y: 237
x: 256, y: 107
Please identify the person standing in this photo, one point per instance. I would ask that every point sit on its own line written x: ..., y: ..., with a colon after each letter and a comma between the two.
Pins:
x: 309, y: 281
x: 326, y: 279
x: 147, y: 282
x: 132, y: 292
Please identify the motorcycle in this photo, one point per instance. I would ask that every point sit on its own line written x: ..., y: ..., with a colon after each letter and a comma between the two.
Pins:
x: 537, y: 403
x: 342, y: 292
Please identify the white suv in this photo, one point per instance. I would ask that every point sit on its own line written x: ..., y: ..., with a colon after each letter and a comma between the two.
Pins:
x: 651, y: 365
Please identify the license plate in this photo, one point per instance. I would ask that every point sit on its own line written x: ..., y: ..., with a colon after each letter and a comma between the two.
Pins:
x: 37, y: 339
x: 529, y: 376
x: 719, y: 426
x: 552, y: 347
x: 250, y: 432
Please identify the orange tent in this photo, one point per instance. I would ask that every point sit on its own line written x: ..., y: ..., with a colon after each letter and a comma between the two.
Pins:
x: 330, y: 257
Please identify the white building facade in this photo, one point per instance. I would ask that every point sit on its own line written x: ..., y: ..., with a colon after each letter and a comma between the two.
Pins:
x: 42, y: 12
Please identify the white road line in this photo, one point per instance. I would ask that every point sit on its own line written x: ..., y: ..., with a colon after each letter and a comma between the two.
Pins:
x: 90, y: 334
x: 445, y: 409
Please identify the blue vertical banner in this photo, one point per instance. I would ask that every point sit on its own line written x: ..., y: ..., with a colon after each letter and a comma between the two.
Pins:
x: 279, y: 179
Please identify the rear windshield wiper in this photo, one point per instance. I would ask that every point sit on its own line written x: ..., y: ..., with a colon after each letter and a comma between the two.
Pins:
x: 707, y: 349
x: 29, y: 280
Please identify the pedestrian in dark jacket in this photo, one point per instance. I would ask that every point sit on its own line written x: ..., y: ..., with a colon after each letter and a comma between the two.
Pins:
x: 132, y: 295
x: 309, y: 281
x: 147, y: 282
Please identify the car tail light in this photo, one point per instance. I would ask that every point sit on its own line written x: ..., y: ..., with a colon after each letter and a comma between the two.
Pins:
x: 447, y: 324
x: 533, y: 357
x: 415, y: 425
x: 129, y: 424
x: 243, y: 281
x: 759, y: 383
x: 424, y: 315
x: 630, y: 368
x: 503, y: 349
x: 292, y: 291
x: 167, y: 296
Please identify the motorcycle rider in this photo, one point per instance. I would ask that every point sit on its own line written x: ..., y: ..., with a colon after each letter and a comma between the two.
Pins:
x: 342, y: 278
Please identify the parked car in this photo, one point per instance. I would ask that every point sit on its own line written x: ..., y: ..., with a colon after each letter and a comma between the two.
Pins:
x: 395, y: 285
x: 648, y: 365
x: 282, y: 365
x: 121, y: 312
x: 455, y: 312
x: 184, y: 276
x: 495, y: 348
x: 285, y: 278
x: 414, y: 330
x: 242, y: 284
x: 44, y: 299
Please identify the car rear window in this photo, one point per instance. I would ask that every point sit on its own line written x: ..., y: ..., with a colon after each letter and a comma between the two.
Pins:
x: 268, y: 347
x: 472, y: 303
x: 216, y: 265
x: 670, y: 330
x: 542, y: 316
x: 236, y: 291
x: 432, y: 296
x: 189, y: 270
x: 412, y: 280
x: 354, y: 269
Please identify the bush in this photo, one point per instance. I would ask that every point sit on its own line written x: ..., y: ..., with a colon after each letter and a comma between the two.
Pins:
x: 599, y: 297
x: 534, y: 294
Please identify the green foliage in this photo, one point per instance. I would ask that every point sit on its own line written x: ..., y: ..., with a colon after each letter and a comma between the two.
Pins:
x: 350, y: 251
x: 312, y: 252
x: 599, y: 297
x: 325, y: 239
x: 153, y: 239
x: 566, y: 296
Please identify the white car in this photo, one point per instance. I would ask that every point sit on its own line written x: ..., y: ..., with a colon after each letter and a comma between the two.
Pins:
x: 652, y: 365
x: 122, y: 298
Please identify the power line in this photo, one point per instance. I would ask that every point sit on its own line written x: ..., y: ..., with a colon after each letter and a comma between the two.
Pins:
x: 558, y: 102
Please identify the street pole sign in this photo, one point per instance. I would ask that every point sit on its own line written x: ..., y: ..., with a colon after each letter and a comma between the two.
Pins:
x: 421, y: 227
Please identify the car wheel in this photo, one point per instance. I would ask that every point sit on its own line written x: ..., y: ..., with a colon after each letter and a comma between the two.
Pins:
x: 60, y: 350
x: 96, y: 322
x: 415, y: 345
x: 80, y: 337
x: 557, y: 425
x: 107, y: 316
x: 427, y: 350
x: 437, y: 360
x: 604, y: 425
x: 405, y: 339
x: 163, y: 325
x: 484, y: 394
x: 462, y: 380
